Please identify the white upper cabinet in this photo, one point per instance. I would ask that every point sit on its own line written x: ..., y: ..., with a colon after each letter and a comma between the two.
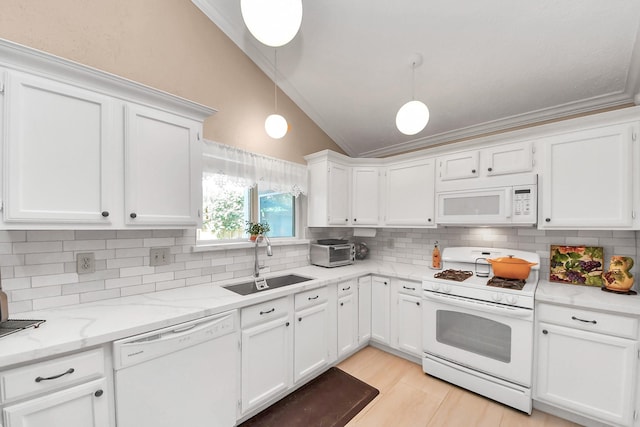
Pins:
x: 515, y: 157
x: 459, y: 165
x: 409, y: 194
x: 84, y: 149
x: 587, y: 178
x: 365, y: 200
x: 507, y: 159
x: 56, y: 164
x: 162, y: 168
x: 340, y: 194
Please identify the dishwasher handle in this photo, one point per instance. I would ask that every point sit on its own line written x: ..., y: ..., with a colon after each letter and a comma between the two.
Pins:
x: 133, y: 350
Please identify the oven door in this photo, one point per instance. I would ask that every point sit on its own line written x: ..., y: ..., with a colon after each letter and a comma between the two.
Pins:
x: 483, y: 336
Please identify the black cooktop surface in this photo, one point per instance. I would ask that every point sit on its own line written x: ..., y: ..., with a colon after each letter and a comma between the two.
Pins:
x: 15, y: 325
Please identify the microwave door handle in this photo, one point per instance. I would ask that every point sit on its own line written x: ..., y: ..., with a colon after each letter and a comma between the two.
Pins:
x: 508, y: 205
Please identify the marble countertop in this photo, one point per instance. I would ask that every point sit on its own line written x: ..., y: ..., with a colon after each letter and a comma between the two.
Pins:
x: 587, y: 297
x: 76, y: 327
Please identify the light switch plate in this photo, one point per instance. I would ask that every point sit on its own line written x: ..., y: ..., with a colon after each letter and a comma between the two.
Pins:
x: 159, y: 256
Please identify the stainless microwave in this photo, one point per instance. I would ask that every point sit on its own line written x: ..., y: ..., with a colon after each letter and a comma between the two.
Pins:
x: 332, y: 255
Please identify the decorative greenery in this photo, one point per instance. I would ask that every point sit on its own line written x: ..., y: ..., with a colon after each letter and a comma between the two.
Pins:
x: 224, y: 215
x: 257, y: 228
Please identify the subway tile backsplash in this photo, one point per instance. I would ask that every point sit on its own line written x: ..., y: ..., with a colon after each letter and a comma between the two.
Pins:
x: 39, y: 267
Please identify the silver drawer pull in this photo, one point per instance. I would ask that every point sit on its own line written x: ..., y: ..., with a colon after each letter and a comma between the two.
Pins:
x: 582, y: 320
x: 268, y: 311
x: 67, y: 372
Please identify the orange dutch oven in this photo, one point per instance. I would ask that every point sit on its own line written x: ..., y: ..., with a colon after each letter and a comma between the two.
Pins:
x: 510, y: 267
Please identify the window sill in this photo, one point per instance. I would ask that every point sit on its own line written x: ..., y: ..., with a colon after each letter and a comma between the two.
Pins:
x: 211, y: 247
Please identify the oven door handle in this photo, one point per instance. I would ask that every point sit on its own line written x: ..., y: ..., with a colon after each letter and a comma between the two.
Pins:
x: 485, y: 306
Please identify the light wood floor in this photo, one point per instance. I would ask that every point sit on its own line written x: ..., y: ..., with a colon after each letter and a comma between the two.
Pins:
x: 410, y: 398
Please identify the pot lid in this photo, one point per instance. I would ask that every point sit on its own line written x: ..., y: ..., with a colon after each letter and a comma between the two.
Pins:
x: 511, y: 260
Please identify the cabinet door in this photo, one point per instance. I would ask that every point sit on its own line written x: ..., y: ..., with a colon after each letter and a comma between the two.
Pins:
x: 266, y: 361
x: 338, y: 194
x: 84, y: 405
x: 365, y: 207
x: 588, y: 373
x: 458, y: 166
x: 163, y: 170
x: 364, y: 309
x: 57, y: 147
x: 587, y: 179
x: 410, y: 324
x: 506, y: 159
x: 409, y: 194
x: 380, y: 292
x: 347, y: 324
x: 311, y: 340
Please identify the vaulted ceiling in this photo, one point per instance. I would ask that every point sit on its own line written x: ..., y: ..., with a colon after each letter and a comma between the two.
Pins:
x: 487, y: 65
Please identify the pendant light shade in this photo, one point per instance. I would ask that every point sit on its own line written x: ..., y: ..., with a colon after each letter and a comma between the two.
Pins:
x: 273, y: 22
x: 276, y: 126
x: 412, y: 117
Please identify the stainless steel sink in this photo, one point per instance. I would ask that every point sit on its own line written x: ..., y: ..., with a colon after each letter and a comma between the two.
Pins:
x: 248, y: 288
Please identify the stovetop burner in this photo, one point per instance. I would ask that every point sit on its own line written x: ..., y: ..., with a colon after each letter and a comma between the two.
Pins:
x: 501, y: 282
x: 15, y: 325
x: 455, y: 275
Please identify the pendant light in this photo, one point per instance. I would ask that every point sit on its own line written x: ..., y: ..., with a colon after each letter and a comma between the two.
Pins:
x: 273, y: 22
x: 275, y: 125
x: 413, y: 116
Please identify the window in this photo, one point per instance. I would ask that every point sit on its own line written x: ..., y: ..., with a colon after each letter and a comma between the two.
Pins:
x: 279, y: 210
x: 240, y: 186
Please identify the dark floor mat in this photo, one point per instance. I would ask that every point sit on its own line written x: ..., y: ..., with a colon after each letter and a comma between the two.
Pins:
x: 330, y: 400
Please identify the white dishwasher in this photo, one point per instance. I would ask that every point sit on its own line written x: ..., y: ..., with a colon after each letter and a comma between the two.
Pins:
x: 184, y: 375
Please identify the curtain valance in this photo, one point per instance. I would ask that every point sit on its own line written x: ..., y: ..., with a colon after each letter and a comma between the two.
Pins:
x: 249, y: 169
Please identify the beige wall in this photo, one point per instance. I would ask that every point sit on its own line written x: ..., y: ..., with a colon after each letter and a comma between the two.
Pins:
x: 172, y: 46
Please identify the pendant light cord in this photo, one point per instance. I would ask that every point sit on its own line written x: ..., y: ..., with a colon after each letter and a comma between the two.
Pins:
x: 413, y: 81
x: 275, y: 78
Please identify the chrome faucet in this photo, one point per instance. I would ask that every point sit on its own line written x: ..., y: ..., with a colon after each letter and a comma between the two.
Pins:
x: 256, y: 265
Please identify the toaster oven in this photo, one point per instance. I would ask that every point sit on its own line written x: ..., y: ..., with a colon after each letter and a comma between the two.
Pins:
x: 332, y: 255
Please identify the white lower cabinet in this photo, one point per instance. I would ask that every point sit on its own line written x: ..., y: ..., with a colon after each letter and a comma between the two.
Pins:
x: 380, y: 295
x: 347, y: 317
x: 69, y: 391
x: 267, y: 348
x: 582, y: 367
x: 311, y: 333
x: 80, y: 406
x: 364, y: 309
x: 409, y: 318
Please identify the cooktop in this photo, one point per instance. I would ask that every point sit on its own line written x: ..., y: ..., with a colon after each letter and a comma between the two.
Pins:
x: 14, y: 325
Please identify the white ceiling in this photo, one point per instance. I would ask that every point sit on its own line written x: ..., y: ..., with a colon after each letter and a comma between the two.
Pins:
x: 488, y: 65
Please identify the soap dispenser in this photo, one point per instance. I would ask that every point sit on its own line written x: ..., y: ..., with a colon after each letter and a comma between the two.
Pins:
x: 435, y: 257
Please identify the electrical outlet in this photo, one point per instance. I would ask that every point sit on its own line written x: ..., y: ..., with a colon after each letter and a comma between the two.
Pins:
x: 86, y: 263
x: 159, y: 256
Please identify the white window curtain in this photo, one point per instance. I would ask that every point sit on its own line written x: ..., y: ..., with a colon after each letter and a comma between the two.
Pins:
x: 249, y: 169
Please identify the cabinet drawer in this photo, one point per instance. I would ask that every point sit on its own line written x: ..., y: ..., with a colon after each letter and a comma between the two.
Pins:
x: 346, y: 287
x: 264, y: 311
x: 51, y: 375
x: 589, y: 320
x: 410, y: 288
x: 309, y: 298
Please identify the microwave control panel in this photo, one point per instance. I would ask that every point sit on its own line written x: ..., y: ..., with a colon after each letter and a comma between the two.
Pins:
x: 524, y: 202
